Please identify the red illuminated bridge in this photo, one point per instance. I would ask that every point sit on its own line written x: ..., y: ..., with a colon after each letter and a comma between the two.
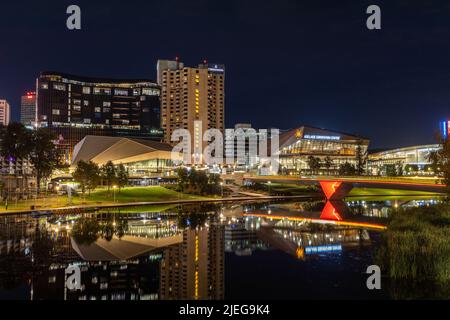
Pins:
x: 339, y: 188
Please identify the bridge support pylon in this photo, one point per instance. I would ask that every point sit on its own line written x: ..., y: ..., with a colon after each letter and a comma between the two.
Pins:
x: 335, y: 190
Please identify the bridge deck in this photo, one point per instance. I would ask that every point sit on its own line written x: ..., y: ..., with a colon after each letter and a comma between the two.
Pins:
x: 355, y: 182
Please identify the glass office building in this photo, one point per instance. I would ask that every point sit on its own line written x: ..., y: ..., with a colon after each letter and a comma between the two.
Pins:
x: 333, y: 147
x: 412, y: 160
x: 75, y: 106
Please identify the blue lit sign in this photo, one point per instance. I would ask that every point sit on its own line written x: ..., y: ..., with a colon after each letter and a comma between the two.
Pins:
x: 444, y: 128
x: 319, y: 137
x: 325, y: 248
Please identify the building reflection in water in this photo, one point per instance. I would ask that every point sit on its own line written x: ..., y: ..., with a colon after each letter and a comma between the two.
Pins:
x: 132, y: 256
x: 175, y: 254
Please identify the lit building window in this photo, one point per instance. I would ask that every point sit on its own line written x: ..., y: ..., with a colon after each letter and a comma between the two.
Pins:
x: 86, y: 90
x: 120, y: 92
x: 59, y: 86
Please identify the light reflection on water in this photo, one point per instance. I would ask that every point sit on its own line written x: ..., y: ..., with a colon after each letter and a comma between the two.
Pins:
x: 296, y: 250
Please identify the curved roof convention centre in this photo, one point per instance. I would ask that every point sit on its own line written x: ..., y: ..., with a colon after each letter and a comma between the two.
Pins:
x: 101, y: 149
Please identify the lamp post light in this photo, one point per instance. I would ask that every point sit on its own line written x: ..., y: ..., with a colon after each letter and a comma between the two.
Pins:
x: 114, y: 192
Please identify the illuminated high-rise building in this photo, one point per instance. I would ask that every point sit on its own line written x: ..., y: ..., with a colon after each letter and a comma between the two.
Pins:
x: 194, y: 269
x: 28, y: 109
x: 74, y: 107
x: 4, y: 112
x: 190, y: 95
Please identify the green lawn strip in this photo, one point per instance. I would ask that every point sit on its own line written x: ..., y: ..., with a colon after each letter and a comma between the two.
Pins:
x: 103, y: 197
x: 377, y: 194
x: 285, y: 187
x: 140, y: 194
x: 388, y: 192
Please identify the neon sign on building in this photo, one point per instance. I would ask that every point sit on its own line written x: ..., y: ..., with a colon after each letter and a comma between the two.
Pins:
x: 445, y: 128
x: 320, y: 137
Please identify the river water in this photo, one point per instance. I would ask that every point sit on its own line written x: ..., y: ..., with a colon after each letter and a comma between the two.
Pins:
x: 250, y: 250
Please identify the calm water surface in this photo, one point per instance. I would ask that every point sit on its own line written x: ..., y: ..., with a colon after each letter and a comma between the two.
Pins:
x: 296, y: 250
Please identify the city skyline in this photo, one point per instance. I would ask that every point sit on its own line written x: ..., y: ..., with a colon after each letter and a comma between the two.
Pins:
x: 319, y: 64
x: 233, y: 151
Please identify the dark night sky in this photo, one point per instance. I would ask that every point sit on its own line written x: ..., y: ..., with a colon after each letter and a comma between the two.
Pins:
x: 288, y: 62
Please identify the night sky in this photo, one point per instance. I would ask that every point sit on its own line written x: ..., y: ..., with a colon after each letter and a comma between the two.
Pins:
x: 288, y: 62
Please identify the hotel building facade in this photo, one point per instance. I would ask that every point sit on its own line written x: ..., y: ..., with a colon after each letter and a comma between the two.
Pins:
x: 75, y: 106
x: 5, y: 112
x: 192, y: 98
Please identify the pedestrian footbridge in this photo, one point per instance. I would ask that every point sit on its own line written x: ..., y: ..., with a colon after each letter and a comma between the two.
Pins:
x: 339, y: 188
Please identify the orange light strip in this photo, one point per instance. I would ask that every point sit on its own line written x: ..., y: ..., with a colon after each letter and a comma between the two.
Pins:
x: 344, y: 223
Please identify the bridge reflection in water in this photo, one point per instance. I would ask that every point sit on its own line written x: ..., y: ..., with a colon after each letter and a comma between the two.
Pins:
x: 303, y: 233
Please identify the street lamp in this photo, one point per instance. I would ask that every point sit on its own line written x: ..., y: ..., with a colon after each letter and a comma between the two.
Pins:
x: 221, y: 186
x: 269, y: 183
x: 114, y: 192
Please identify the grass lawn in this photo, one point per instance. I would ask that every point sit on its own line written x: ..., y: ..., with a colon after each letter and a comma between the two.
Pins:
x: 290, y: 189
x: 389, y: 194
x: 138, y: 194
x: 102, y: 196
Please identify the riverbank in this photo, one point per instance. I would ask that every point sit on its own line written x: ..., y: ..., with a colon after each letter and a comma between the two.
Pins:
x: 415, y: 248
x: 130, y: 197
x: 101, y: 197
x: 156, y: 195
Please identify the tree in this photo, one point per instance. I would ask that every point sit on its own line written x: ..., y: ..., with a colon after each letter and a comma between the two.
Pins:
x: 327, y: 163
x: 199, y: 180
x: 313, y: 164
x: 399, y: 167
x: 44, y: 154
x: 15, y: 141
x: 361, y: 158
x: 440, y: 162
x: 347, y: 169
x: 122, y: 176
x: 391, y: 170
x: 15, y: 145
x: 183, y: 178
x: 108, y: 173
x: 88, y: 175
x: 412, y: 168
